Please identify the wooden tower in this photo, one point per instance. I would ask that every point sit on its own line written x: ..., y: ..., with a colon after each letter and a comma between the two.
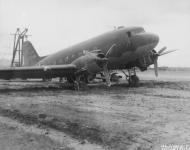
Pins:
x: 19, y: 38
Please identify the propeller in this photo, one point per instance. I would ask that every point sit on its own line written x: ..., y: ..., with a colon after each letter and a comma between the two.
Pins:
x: 156, y: 66
x: 156, y: 55
x: 167, y: 52
x: 162, y: 49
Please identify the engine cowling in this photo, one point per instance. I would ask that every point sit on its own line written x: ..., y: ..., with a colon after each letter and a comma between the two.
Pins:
x: 91, y: 62
x: 94, y: 62
x: 146, y: 61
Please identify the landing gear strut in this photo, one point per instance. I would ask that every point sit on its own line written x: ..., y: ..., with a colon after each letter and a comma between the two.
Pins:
x: 131, y: 77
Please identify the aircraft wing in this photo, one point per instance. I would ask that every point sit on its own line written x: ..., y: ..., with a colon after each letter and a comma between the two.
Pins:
x: 33, y: 72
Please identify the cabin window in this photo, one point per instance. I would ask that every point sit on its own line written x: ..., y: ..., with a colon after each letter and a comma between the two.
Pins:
x: 136, y: 31
x: 129, y: 34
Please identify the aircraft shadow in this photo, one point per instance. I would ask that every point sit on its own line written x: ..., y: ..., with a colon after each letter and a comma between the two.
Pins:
x: 95, y: 86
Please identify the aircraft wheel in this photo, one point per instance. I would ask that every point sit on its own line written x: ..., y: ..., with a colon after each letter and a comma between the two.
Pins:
x: 134, y: 81
x: 114, y: 77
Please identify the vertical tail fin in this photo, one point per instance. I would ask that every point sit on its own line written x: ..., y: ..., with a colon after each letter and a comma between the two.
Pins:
x: 30, y: 55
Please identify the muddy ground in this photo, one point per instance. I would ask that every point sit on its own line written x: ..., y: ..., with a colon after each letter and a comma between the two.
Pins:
x: 43, y: 116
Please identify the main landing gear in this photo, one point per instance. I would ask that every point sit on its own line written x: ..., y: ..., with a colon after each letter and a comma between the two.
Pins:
x: 131, y: 77
x: 79, y: 81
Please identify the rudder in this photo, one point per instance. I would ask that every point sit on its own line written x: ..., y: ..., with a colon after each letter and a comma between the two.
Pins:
x: 31, y: 57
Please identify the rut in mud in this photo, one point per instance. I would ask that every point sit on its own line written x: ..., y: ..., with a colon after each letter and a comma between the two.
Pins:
x: 74, y: 129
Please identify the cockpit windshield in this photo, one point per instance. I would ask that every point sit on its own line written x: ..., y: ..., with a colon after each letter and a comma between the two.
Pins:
x: 134, y: 31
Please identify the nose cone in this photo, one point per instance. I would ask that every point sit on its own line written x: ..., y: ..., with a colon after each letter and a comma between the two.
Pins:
x: 151, y: 38
x: 144, y: 39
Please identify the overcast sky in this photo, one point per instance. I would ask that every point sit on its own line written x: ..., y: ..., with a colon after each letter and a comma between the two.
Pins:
x: 56, y: 24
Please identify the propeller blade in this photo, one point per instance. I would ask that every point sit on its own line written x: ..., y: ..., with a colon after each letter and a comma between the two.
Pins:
x: 107, y: 75
x: 156, y: 66
x: 111, y: 49
x: 167, y: 52
x: 156, y: 55
x: 161, y: 50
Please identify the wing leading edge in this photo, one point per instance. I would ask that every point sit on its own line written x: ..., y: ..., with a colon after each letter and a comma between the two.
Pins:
x: 35, y: 72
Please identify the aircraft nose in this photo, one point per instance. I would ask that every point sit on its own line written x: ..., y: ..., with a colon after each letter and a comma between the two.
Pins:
x: 151, y: 38
x: 145, y: 39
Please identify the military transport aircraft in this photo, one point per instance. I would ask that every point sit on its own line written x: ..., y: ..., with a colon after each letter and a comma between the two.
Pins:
x: 120, y: 49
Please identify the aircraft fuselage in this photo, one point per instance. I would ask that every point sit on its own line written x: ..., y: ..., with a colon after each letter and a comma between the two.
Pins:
x: 131, y: 44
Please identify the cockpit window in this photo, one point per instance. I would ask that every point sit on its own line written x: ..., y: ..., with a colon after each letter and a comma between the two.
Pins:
x: 135, y: 31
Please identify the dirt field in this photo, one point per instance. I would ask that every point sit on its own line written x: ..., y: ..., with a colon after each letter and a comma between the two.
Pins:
x: 42, y: 116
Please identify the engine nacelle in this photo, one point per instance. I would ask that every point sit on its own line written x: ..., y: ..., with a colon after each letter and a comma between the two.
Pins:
x: 91, y: 62
x: 146, y: 61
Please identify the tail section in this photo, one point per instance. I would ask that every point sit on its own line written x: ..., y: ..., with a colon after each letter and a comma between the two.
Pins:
x: 30, y: 55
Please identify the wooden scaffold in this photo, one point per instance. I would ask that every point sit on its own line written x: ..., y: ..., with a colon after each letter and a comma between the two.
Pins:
x: 19, y: 38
